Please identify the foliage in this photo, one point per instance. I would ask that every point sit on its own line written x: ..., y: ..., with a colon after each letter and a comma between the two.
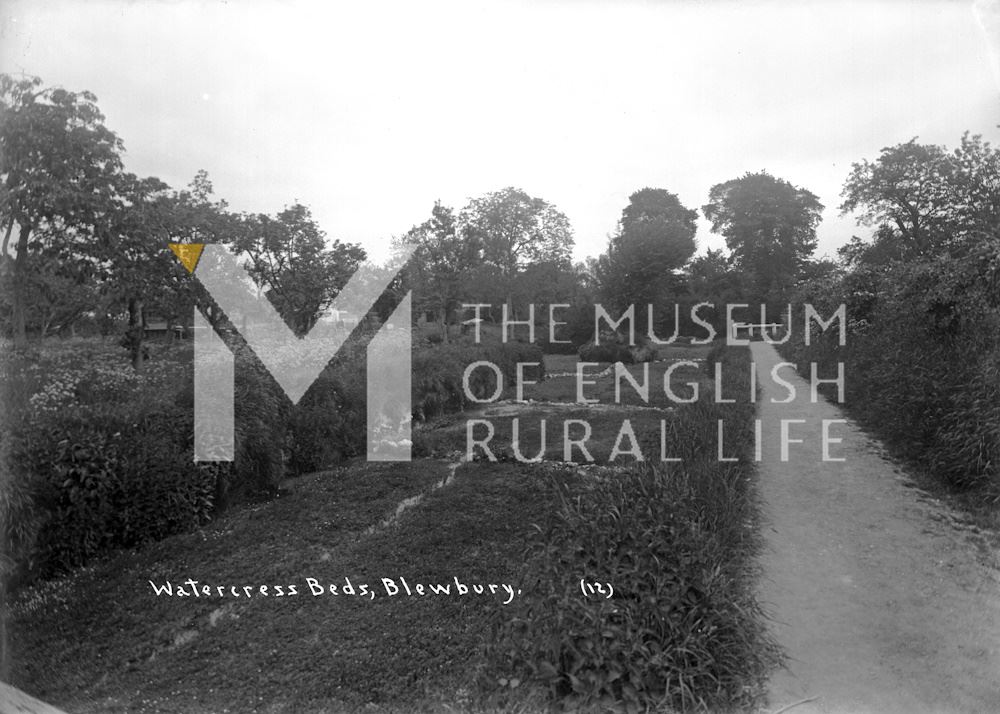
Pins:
x: 516, y: 230
x: 682, y: 629
x: 290, y: 259
x: 438, y: 371
x: 329, y: 422
x: 770, y: 227
x: 920, y: 361
x: 58, y: 163
x: 924, y: 200
x: 655, y: 238
x: 922, y: 306
x: 440, y: 268
x: 98, y: 456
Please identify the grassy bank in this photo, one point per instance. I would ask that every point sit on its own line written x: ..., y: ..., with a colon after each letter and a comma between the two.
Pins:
x: 681, y: 629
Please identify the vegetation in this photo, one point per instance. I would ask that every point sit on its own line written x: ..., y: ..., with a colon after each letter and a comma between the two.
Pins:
x: 682, y: 628
x: 100, y: 457
x: 770, y: 227
x: 923, y: 306
x: 101, y: 492
x: 321, y: 652
x: 655, y: 239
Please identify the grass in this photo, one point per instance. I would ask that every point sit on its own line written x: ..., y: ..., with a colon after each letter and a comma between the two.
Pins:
x: 617, y: 401
x: 677, y: 542
x: 101, y: 640
x: 143, y: 653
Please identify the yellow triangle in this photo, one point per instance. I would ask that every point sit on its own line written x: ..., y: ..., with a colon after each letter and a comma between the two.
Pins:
x: 189, y: 253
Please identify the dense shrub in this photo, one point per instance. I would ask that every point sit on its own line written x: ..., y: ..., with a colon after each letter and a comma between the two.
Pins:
x: 438, y: 372
x: 921, y: 362
x: 615, y: 347
x: 682, y: 629
x: 329, y: 423
x: 98, y: 456
x: 103, y: 482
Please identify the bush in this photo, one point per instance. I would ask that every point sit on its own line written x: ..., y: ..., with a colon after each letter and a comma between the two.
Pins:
x: 101, y: 479
x: 920, y: 363
x: 100, y: 457
x: 614, y: 347
x: 438, y: 372
x: 683, y: 629
x: 329, y: 423
x: 610, y: 352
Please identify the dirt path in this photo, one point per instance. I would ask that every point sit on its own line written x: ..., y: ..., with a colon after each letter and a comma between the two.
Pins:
x: 882, y: 602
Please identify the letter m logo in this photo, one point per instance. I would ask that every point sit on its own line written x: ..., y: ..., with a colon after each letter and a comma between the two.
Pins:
x: 295, y: 362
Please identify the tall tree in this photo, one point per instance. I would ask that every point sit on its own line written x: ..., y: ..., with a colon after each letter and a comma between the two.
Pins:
x: 516, y: 230
x: 655, y: 238
x: 194, y: 216
x: 135, y: 262
x: 58, y: 165
x: 770, y: 229
x: 924, y: 201
x: 442, y: 263
x: 900, y: 192
x: 290, y: 259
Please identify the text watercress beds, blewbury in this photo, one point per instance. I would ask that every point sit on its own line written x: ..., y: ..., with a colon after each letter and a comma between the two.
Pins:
x: 397, y: 586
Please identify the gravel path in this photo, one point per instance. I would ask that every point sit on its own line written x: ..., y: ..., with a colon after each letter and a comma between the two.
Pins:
x: 882, y: 599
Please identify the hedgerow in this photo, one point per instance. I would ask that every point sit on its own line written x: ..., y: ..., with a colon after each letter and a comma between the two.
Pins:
x: 921, y: 361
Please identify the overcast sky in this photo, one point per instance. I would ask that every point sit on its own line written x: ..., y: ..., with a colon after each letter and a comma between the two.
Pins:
x: 370, y: 112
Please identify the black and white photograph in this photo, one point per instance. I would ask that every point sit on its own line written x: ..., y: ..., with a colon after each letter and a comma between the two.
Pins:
x: 489, y: 356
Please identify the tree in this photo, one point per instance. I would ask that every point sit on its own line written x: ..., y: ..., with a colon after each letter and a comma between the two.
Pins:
x: 712, y: 278
x: 924, y: 201
x: 441, y: 265
x: 770, y: 229
x: 516, y: 230
x: 135, y: 260
x: 290, y: 260
x: 655, y: 238
x: 58, y: 165
x: 194, y: 217
x: 900, y: 192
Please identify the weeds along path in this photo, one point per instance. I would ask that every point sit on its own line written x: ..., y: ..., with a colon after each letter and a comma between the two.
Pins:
x: 882, y: 602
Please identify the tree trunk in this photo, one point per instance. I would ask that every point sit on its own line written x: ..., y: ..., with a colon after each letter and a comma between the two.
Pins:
x: 6, y: 236
x: 135, y: 332
x: 20, y: 277
x: 5, y: 656
x: 44, y: 325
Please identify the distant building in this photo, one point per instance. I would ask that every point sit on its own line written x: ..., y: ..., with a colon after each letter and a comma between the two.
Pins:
x: 160, y: 327
x: 334, y: 316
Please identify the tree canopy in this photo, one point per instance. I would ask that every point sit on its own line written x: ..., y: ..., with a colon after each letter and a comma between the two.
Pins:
x: 654, y: 239
x: 442, y: 264
x: 58, y: 166
x: 924, y: 201
x: 515, y: 230
x: 289, y: 258
x: 770, y: 229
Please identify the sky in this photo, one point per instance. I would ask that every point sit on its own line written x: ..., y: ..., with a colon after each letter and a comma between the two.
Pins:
x: 370, y: 112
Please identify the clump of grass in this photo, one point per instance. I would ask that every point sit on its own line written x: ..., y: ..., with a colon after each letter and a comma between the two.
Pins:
x: 682, y: 628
